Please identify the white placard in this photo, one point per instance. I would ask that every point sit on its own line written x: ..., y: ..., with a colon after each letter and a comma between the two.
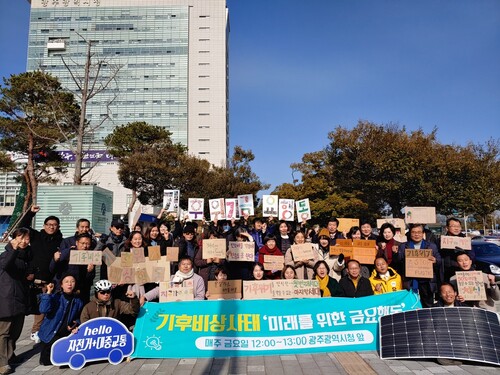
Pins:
x: 303, y: 210
x: 286, y: 209
x: 171, y: 200
x: 232, y: 210
x: 245, y: 204
x: 217, y: 209
x: 270, y: 205
x: 195, y: 208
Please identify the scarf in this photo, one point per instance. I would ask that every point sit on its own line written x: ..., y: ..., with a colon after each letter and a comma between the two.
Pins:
x: 179, y: 276
x: 323, y: 285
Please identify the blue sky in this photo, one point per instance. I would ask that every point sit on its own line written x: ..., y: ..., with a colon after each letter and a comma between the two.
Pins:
x: 300, y: 68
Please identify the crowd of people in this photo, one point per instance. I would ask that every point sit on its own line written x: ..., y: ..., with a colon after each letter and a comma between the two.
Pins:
x: 37, y: 279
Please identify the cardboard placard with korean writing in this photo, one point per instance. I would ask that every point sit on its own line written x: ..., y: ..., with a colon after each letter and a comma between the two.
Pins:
x: 214, y: 249
x: 258, y: 289
x: 346, y: 250
x: 454, y: 242
x: 158, y: 270
x: 232, y: 210
x: 172, y: 292
x: 345, y: 224
x: 270, y: 205
x: 286, y: 209
x: 217, y: 209
x: 303, y: 210
x: 141, y: 276
x: 396, y: 223
x: 84, y: 257
x: 471, y: 285
x: 154, y: 253
x: 417, y: 263
x: 172, y: 254
x: 274, y: 262
x: 126, y: 260
x: 224, y: 289
x: 302, y: 251
x: 115, y: 274
x: 108, y: 257
x: 239, y: 251
x: 245, y: 204
x: 128, y: 275
x: 364, y: 243
x: 420, y: 215
x: 306, y: 289
x: 138, y: 255
x: 283, y: 289
x: 364, y: 255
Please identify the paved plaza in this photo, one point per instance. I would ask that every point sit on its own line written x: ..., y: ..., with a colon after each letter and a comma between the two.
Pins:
x: 363, y: 363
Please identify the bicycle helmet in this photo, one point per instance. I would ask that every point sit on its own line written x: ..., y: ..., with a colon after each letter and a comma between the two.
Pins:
x: 103, y: 286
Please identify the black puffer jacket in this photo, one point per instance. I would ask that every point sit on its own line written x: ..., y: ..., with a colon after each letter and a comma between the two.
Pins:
x: 14, y: 287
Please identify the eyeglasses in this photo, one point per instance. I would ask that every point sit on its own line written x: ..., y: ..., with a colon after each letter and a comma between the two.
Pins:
x: 104, y: 292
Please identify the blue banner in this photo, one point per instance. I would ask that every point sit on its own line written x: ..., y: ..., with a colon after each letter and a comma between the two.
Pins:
x: 229, y: 328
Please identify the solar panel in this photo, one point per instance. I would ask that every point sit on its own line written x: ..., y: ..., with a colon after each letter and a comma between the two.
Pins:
x: 465, y: 333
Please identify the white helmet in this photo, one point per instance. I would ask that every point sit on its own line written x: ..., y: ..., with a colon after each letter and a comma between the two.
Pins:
x: 103, y: 286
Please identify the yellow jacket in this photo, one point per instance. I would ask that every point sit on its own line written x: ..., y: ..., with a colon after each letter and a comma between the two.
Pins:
x: 393, y: 284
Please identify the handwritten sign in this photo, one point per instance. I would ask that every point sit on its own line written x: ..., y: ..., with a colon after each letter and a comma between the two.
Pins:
x: 217, y: 209
x: 364, y: 243
x: 175, y: 292
x: 241, y: 251
x: 303, y: 210
x: 258, y: 289
x: 195, y: 208
x: 232, y: 210
x: 306, y: 289
x: 302, y: 251
x: 172, y: 254
x: 108, y: 257
x: 214, y: 249
x: 126, y: 260
x: 225, y: 289
x: 285, y: 209
x: 138, y: 255
x: 417, y: 263
x: 396, y: 223
x: 420, y: 215
x: 158, y: 274
x: 245, y: 204
x: 282, y: 289
x: 337, y: 250
x: 128, y: 275
x: 154, y: 253
x: 270, y: 205
x: 345, y: 224
x: 471, y: 285
x: 85, y: 257
x: 343, y: 242
x: 273, y: 262
x: 453, y: 242
x: 364, y: 255
x: 141, y: 276
x: 115, y: 274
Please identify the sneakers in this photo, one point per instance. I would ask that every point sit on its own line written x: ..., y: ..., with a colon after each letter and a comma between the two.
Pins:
x: 35, y: 338
x: 5, y: 370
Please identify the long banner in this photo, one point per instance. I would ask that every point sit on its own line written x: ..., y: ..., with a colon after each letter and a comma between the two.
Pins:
x: 223, y: 328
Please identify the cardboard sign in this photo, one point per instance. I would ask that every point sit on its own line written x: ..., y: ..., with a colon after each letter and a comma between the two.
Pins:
x: 108, y: 257
x: 158, y: 270
x: 282, y: 289
x: 138, y: 255
x: 85, y: 257
x: 232, y: 210
x: 270, y: 205
x: 171, y: 199
x: 195, y: 208
x: 245, y: 204
x: 154, y: 253
x: 417, y: 263
x: 471, y: 285
x: 344, y: 242
x: 302, y: 251
x: 370, y: 244
x: 420, y: 215
x: 345, y: 224
x: 286, y: 209
x: 214, y: 249
x: 128, y: 275
x: 337, y: 250
x: 114, y: 274
x: 141, y: 276
x: 225, y: 289
x: 273, y: 262
x: 303, y: 210
x: 258, y: 289
x: 241, y: 251
x: 126, y: 260
x: 217, y: 209
x: 397, y: 223
x: 454, y: 242
x: 175, y: 292
x: 158, y: 274
x: 306, y: 289
x: 172, y: 254
x: 364, y: 255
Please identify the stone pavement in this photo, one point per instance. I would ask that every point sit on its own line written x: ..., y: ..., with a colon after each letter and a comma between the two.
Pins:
x: 363, y: 363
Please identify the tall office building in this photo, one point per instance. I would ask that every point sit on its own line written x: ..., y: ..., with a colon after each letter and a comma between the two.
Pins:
x: 172, y: 57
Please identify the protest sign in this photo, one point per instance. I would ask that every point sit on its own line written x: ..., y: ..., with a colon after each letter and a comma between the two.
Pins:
x: 225, y: 289
x: 172, y: 254
x: 337, y: 250
x: 245, y: 204
x: 175, y: 292
x: 128, y: 275
x: 306, y: 289
x: 282, y: 289
x: 115, y: 274
x: 85, y: 257
x: 364, y: 255
x: 417, y: 263
x: 195, y: 208
x: 241, y: 251
x: 217, y: 209
x: 270, y: 205
x: 455, y: 242
x: 154, y: 253
x: 258, y: 289
x: 302, y: 251
x: 286, y: 209
x: 471, y: 285
x: 141, y: 275
x: 345, y: 224
x: 214, y: 249
x: 274, y: 262
x: 126, y: 260
x: 138, y: 255
x: 108, y: 257
x: 171, y: 199
x: 364, y: 243
x: 232, y: 210
x: 420, y: 215
x: 303, y: 210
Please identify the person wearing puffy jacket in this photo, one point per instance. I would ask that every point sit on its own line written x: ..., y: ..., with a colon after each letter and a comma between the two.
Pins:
x: 385, y: 279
